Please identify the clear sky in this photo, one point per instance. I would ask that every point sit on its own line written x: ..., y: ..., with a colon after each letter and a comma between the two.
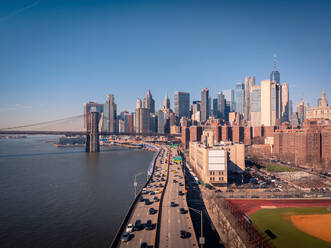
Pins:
x: 57, y: 54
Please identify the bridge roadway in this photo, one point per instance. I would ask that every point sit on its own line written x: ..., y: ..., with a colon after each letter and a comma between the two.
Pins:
x: 172, y: 221
x: 45, y: 132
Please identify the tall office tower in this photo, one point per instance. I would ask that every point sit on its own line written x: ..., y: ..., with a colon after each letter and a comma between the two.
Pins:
x: 255, y: 107
x: 163, y: 125
x: 229, y: 97
x: 138, y: 103
x: 215, y: 108
x: 87, y: 109
x: 166, y: 102
x: 204, y: 106
x: 109, y: 115
x: 276, y: 103
x: 275, y: 75
x: 149, y: 102
x: 153, y: 123
x: 285, y: 103
x: 290, y: 109
x: 249, y: 82
x: 301, y: 110
x: 142, y: 118
x: 266, y: 118
x: 196, y: 111
x: 182, y: 104
x: 240, y: 97
x: 209, y: 106
x: 221, y: 105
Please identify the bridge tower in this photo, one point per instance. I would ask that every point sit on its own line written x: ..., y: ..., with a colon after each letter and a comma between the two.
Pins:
x: 92, y: 129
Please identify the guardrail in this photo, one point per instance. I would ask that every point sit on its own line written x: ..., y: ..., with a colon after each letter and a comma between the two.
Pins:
x: 158, y: 225
x: 124, y: 223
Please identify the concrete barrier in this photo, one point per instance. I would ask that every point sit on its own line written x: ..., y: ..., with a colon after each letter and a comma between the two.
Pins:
x: 158, y: 225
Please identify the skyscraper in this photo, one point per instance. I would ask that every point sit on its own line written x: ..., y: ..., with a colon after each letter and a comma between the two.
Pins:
x: 109, y: 115
x: 221, y: 105
x: 276, y: 103
x: 255, y: 107
x: 149, y: 102
x: 229, y: 97
x: 275, y: 75
x: 204, y: 106
x: 266, y: 118
x: 142, y: 118
x: 182, y: 104
x: 285, y: 103
x: 196, y: 111
x: 249, y: 82
x: 240, y: 97
x: 215, y: 108
x: 166, y: 102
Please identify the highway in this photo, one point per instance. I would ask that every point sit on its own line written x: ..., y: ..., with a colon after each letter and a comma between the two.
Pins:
x: 172, y: 221
x: 141, y: 210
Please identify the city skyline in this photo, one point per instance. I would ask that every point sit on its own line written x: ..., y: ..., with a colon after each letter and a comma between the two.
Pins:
x: 209, y: 53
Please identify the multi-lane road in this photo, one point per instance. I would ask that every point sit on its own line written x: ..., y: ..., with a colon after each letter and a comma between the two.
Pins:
x: 167, y: 179
x: 172, y: 220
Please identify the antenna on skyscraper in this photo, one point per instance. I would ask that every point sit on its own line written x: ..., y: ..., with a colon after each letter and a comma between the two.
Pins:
x: 275, y: 62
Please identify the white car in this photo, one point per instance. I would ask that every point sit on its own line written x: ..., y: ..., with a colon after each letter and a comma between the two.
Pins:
x: 129, y: 228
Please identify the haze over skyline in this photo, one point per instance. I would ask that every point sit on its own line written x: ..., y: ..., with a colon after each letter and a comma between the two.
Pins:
x: 56, y: 55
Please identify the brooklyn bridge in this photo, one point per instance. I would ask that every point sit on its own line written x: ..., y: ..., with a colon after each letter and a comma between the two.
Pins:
x: 72, y: 126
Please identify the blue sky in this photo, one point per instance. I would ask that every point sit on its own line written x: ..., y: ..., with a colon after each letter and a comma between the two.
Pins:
x: 57, y: 54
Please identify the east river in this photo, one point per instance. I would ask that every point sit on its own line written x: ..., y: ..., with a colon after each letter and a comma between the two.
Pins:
x: 63, y: 197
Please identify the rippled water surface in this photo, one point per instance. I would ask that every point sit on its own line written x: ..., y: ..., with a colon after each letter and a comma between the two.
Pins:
x: 64, y: 197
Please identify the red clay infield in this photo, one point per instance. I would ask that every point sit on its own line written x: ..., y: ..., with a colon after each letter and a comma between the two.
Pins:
x: 252, y: 205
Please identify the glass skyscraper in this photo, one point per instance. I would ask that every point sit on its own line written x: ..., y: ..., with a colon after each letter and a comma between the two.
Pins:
x: 229, y: 97
x: 182, y: 104
x: 240, y: 97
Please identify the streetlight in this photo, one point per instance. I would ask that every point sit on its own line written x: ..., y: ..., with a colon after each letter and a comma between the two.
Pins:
x: 201, y: 238
x: 135, y: 184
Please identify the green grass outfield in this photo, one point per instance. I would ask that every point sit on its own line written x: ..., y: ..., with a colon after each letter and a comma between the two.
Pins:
x: 288, y: 236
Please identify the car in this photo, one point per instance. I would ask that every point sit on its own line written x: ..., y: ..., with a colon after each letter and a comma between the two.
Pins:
x: 184, y: 234
x: 182, y: 210
x: 125, y: 237
x: 137, y: 225
x: 147, y: 202
x: 181, y: 184
x: 162, y: 179
x: 152, y: 211
x: 141, y: 198
x: 173, y: 204
x: 180, y: 192
x: 149, y: 225
x: 175, y: 181
x: 143, y: 245
x: 152, y: 193
x: 129, y: 228
x: 156, y: 199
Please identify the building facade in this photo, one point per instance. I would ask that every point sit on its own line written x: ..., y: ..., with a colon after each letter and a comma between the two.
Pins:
x: 239, y: 98
x: 182, y: 104
x: 322, y: 111
x: 249, y: 83
x: 204, y: 105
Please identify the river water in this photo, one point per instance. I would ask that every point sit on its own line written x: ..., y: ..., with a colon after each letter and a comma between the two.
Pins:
x: 64, y: 197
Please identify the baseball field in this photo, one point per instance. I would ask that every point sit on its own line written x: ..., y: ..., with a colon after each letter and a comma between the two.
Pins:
x: 296, y: 227
x: 295, y: 223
